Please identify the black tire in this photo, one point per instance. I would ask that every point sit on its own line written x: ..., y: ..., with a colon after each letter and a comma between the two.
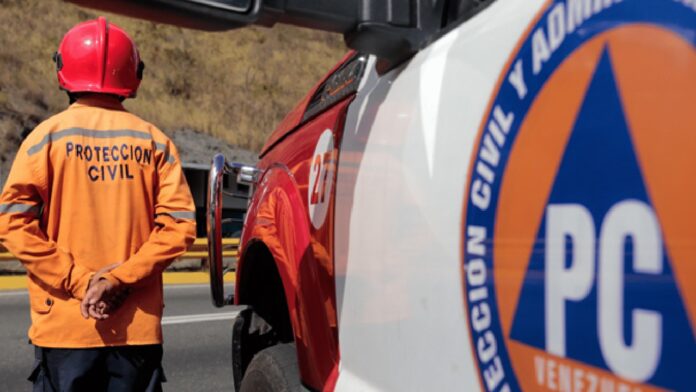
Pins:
x: 273, y: 369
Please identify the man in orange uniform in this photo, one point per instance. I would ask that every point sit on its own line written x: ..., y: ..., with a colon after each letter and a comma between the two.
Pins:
x: 96, y: 205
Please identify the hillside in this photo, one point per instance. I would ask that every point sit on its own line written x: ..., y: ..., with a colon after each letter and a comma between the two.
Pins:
x: 235, y: 86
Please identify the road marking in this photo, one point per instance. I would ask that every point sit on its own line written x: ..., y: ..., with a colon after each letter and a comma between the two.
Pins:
x: 186, y: 286
x: 14, y: 293
x: 198, y: 318
x: 191, y: 286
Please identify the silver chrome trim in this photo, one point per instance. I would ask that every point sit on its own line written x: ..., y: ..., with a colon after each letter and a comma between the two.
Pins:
x: 213, y: 228
x: 217, y: 4
x: 246, y: 175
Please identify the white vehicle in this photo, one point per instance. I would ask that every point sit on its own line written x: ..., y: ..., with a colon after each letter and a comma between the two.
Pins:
x: 484, y: 195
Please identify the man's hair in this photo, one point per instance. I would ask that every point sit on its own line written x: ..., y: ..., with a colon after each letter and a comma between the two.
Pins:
x: 72, y: 97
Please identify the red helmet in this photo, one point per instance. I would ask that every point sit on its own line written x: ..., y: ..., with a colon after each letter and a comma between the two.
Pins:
x: 96, y: 56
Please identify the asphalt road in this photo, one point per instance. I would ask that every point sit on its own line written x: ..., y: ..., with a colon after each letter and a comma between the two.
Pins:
x: 197, y: 338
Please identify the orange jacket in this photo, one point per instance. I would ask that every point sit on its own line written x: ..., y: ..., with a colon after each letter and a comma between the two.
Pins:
x: 93, y: 186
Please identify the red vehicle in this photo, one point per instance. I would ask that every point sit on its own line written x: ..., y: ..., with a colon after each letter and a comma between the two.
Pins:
x: 483, y: 195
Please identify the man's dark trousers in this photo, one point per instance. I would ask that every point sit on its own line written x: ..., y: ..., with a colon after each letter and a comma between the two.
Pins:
x: 112, y: 369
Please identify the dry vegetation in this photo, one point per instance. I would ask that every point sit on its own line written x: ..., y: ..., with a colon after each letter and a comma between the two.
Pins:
x: 234, y: 85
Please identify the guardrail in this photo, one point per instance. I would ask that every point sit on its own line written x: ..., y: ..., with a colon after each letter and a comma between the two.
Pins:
x: 199, y: 250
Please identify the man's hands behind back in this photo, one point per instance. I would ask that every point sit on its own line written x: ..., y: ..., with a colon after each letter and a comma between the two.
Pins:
x: 102, y: 297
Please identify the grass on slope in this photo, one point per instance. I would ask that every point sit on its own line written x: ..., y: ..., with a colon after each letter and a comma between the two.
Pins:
x: 235, y: 85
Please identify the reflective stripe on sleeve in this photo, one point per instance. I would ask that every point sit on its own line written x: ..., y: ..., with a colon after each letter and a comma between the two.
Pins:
x: 163, y: 147
x: 19, y: 208
x: 181, y: 214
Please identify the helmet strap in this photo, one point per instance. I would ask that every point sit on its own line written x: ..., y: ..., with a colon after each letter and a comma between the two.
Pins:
x: 58, y: 59
x: 141, y: 68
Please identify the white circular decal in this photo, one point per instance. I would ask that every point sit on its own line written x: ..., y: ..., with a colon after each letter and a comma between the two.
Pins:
x: 321, y: 174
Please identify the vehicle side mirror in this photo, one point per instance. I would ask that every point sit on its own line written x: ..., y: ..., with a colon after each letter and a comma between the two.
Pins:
x: 243, y: 174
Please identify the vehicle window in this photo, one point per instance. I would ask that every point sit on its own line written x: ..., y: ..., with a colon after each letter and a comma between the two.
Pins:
x: 339, y: 85
x: 457, y: 10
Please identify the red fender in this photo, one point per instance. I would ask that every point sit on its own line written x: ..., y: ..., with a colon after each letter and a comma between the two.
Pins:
x: 277, y: 218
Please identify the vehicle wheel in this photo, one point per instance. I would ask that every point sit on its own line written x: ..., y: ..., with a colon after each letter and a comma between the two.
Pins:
x: 273, y: 369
